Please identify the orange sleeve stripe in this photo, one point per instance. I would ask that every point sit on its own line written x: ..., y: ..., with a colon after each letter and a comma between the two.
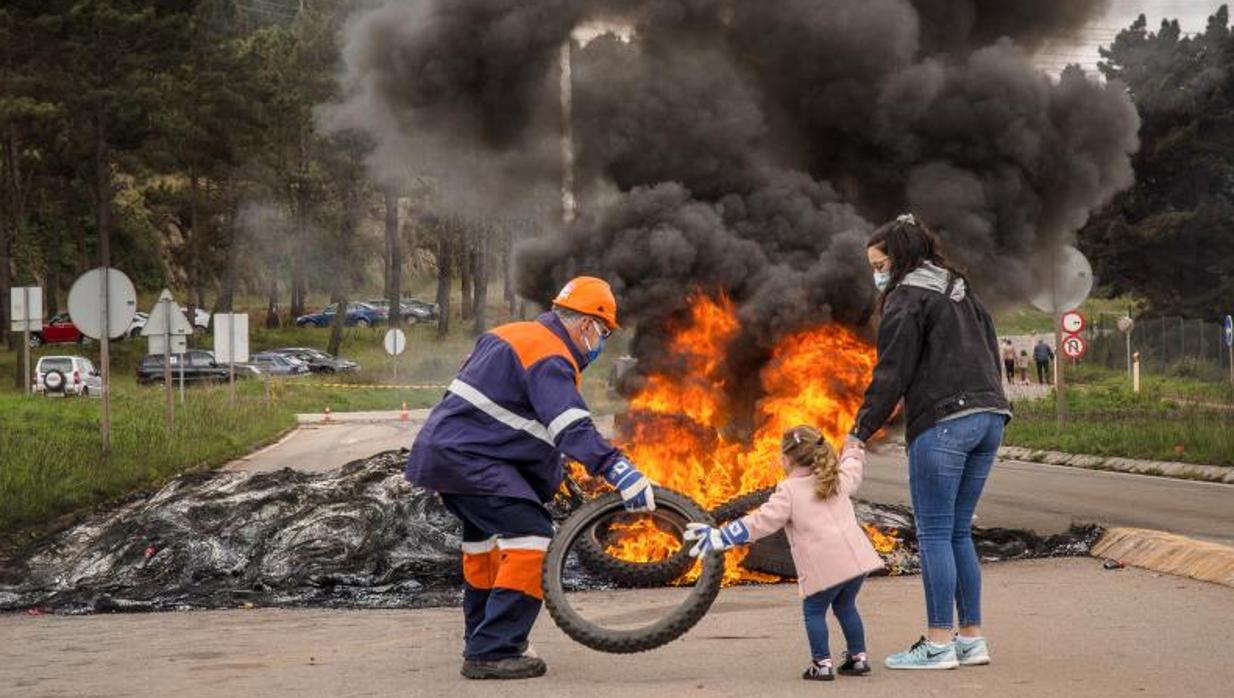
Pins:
x: 532, y: 342
x: 480, y: 569
x: 520, y: 571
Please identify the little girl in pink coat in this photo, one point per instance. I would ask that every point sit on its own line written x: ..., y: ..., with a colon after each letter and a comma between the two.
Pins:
x: 830, y: 550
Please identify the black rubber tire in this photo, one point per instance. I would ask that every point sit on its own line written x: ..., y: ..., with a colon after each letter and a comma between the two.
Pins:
x: 741, y: 505
x: 594, y: 557
x: 663, y: 631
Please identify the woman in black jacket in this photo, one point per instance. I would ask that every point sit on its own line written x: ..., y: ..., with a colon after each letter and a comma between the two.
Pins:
x: 938, y: 351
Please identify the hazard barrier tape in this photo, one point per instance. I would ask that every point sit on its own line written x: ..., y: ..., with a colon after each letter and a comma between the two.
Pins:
x: 368, y: 385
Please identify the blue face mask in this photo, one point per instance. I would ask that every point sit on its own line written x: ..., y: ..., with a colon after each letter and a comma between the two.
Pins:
x: 593, y: 353
x: 881, y: 280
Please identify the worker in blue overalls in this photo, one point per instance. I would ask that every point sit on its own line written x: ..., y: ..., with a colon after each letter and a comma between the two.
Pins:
x: 493, y: 449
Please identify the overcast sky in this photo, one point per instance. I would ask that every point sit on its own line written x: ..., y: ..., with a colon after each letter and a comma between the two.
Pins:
x: 1191, y: 14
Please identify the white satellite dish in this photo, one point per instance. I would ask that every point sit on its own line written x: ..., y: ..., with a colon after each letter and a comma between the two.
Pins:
x: 86, y: 303
x: 1063, y: 279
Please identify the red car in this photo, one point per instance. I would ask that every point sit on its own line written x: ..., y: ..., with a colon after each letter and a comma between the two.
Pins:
x: 58, y: 330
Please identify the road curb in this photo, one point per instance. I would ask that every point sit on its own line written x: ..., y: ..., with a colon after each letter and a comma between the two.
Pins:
x: 371, y: 416
x: 1186, y: 471
x: 236, y: 464
x: 1168, y: 553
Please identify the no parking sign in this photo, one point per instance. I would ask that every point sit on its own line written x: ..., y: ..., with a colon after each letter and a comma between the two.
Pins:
x: 1074, y: 346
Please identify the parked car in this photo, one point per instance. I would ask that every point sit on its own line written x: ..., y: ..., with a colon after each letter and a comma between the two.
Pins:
x: 319, y: 361
x: 58, y: 330
x: 276, y: 364
x: 422, y: 310
x: 67, y: 375
x: 358, y: 315
x: 411, y: 310
x: 201, y: 322
x: 199, y: 367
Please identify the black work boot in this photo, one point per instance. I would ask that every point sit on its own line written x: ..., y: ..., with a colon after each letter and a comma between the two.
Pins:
x: 509, y: 668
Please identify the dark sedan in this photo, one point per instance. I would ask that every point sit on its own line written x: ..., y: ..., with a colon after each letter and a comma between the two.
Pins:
x: 412, y: 310
x: 358, y: 315
x: 198, y: 367
x: 319, y: 361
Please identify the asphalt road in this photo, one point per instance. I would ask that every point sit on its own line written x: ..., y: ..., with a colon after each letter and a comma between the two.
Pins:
x: 1055, y: 627
x: 1048, y: 498
x: 1045, y: 498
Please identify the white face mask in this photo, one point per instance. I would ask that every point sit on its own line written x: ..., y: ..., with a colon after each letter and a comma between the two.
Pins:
x: 881, y: 280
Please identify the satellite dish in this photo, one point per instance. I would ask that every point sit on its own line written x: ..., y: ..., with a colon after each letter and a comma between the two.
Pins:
x: 1063, y: 279
x: 86, y: 303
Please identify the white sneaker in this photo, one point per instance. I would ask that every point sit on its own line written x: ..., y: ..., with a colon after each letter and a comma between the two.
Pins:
x: 972, y: 652
x: 924, y: 655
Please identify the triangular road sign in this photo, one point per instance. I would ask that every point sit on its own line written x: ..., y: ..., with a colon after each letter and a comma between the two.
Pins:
x: 158, y: 324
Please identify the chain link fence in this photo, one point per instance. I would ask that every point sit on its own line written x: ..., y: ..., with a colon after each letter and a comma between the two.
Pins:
x: 1168, y: 345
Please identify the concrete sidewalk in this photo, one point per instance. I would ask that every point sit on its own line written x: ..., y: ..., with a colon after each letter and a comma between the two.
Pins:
x: 1056, y: 627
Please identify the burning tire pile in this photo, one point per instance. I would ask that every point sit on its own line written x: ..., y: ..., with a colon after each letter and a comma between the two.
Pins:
x: 361, y: 537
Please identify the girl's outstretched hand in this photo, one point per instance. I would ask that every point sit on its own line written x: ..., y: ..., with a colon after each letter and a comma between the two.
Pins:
x: 711, y: 538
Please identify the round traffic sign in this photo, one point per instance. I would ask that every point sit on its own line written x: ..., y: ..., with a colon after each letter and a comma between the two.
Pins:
x: 395, y: 342
x: 1229, y: 331
x: 1074, y: 347
x: 86, y: 303
x: 1125, y: 324
x: 1073, y: 322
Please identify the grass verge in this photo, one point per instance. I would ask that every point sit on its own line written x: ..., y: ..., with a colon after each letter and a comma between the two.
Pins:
x: 53, y: 461
x: 1169, y: 420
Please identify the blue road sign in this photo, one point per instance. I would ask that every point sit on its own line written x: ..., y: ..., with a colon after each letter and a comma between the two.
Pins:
x: 1229, y: 331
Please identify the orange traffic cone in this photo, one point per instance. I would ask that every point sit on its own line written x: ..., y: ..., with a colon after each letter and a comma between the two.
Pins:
x: 402, y: 415
x: 328, y: 414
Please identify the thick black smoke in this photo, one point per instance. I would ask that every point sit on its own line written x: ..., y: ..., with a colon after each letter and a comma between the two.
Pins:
x: 953, y: 26
x: 747, y: 147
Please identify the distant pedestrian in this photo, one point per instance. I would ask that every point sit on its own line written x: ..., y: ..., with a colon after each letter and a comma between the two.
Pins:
x: 1021, y: 364
x: 1043, y: 355
x: 1009, y: 360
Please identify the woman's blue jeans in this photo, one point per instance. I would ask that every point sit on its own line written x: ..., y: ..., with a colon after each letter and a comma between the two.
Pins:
x: 842, y: 598
x: 947, y: 468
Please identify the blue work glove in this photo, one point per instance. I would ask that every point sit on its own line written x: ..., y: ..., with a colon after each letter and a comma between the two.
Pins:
x: 634, y: 486
x: 711, y: 538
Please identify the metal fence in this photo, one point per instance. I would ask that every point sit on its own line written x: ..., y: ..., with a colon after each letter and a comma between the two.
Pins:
x: 1168, y: 345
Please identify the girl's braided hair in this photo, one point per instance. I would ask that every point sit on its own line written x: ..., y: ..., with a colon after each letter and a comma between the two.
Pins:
x: 806, y: 447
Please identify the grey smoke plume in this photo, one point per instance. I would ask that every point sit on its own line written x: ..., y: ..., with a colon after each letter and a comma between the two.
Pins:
x: 748, y: 147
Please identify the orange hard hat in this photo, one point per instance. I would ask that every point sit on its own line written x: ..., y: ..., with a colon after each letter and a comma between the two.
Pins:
x: 589, y: 296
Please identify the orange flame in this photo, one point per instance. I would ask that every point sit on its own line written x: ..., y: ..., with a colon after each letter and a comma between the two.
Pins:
x: 883, y: 542
x: 679, y: 417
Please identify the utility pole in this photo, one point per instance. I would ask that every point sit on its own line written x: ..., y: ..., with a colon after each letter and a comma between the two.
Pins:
x: 568, y: 204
